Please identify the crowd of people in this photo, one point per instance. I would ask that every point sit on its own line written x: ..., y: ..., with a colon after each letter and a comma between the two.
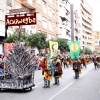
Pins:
x: 52, y: 67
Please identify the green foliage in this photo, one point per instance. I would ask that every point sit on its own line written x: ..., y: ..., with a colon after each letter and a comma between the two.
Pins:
x: 15, y: 37
x: 38, y: 40
x: 62, y: 44
x: 86, y: 51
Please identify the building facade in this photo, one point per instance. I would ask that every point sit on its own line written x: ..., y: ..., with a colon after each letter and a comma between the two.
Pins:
x: 96, y: 41
x: 77, y: 27
x: 85, y: 23
x: 64, y: 19
x: 47, y: 16
x: 5, y: 6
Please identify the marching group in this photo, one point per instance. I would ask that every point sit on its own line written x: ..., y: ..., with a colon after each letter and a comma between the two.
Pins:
x: 52, y: 67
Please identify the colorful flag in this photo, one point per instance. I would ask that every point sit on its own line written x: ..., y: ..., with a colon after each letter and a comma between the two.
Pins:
x: 74, y: 49
x: 53, y: 48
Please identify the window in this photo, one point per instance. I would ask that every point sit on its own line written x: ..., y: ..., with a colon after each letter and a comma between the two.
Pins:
x: 39, y: 1
x: 44, y: 7
x: 53, y: 24
x: 2, y: 17
x: 39, y: 16
x: 44, y: 23
x: 53, y: 12
x: 49, y: 11
x: 50, y: 25
x: 9, y: 3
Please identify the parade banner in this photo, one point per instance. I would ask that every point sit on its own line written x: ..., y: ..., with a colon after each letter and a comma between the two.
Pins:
x: 53, y: 48
x: 74, y: 49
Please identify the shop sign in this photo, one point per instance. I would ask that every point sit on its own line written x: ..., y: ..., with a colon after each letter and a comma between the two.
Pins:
x: 16, y: 20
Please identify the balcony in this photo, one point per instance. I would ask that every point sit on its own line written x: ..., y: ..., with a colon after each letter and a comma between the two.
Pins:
x: 85, y: 11
x: 65, y: 26
x: 86, y: 29
x: 66, y: 5
x: 64, y: 16
x: 85, y: 18
x: 86, y: 24
x: 29, y: 4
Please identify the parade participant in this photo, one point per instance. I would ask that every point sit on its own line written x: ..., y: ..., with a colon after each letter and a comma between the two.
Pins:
x: 41, y: 63
x: 95, y: 61
x: 47, y: 72
x: 65, y: 62
x: 84, y: 62
x: 58, y: 73
x: 76, y: 68
x: 53, y: 64
x: 99, y: 62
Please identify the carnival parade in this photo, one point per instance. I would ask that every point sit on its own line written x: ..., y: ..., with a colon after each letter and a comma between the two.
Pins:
x: 19, y: 74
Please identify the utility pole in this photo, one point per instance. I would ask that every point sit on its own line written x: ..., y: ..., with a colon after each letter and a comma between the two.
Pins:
x: 72, y: 22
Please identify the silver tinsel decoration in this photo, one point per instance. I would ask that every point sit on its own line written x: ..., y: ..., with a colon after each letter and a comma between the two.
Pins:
x: 19, y: 62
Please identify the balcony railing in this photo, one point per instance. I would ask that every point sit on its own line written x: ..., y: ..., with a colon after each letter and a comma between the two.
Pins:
x: 87, y: 19
x: 86, y: 24
x: 82, y: 9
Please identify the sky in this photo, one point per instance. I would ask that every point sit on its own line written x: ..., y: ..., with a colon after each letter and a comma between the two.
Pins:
x: 95, y: 4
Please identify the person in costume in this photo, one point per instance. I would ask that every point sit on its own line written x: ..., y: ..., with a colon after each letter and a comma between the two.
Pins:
x: 53, y: 64
x: 47, y: 72
x: 65, y: 62
x: 99, y: 62
x: 76, y: 68
x: 95, y: 61
x: 58, y: 73
x: 84, y: 62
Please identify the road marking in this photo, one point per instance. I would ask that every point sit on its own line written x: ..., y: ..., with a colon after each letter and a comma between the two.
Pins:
x: 86, y: 72
x: 61, y: 90
x: 39, y: 83
x: 35, y: 87
x: 69, y: 85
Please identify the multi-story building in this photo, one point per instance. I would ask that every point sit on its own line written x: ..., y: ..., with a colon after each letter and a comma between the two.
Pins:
x: 85, y: 22
x: 96, y: 41
x: 47, y: 17
x: 87, y: 25
x: 64, y: 19
x: 77, y: 28
x: 5, y: 5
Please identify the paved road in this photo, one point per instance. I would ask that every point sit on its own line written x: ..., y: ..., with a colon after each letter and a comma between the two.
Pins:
x: 85, y: 88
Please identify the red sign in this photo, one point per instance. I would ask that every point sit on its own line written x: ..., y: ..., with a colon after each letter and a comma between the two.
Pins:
x: 8, y: 47
x: 17, y: 20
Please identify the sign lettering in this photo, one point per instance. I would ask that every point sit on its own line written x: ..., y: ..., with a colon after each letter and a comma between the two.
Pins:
x: 21, y: 20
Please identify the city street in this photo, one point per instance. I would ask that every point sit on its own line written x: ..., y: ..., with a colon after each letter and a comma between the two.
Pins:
x: 87, y: 87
